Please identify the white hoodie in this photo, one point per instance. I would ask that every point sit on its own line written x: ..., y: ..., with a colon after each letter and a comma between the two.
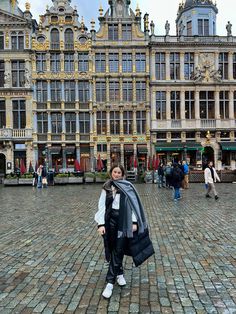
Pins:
x: 208, y: 176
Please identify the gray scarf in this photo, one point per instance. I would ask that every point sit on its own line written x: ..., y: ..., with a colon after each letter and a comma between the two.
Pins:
x: 130, y: 203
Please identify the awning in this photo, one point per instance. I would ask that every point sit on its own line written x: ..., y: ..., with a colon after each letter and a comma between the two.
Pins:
x: 129, y: 148
x: 169, y: 147
x: 55, y: 150
x: 142, y: 149
x: 228, y: 146
x: 192, y: 146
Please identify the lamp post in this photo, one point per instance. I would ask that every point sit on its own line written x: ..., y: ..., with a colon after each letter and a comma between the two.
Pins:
x: 185, y: 152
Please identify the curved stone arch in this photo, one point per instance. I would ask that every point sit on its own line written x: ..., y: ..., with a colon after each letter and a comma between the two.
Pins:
x: 216, y: 147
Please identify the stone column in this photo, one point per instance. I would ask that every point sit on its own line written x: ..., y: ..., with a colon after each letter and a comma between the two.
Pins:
x: 122, y: 157
x: 107, y: 90
x: 134, y: 90
x: 76, y: 62
x: 168, y: 110
x: 196, y: 59
x: 182, y: 105
x: 28, y: 105
x: 49, y: 122
x: 153, y: 106
x: 62, y: 90
x: 107, y: 61
x: 95, y: 121
x: 63, y: 157
x: 217, y: 104
x: 135, y: 121
x: 63, y: 123
x: 197, y: 105
x: 133, y: 60
x: 120, y: 61
x: 78, y: 153
x: 76, y: 90
x: 182, y: 66
x: 167, y: 66
x: 9, y: 114
x: 108, y: 121
x: 7, y: 74
x: 153, y: 66
x: 49, y: 90
x: 216, y: 60
x: 231, y: 104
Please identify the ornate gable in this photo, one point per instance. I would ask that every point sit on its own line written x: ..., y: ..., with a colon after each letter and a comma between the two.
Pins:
x: 8, y: 18
x: 119, y: 8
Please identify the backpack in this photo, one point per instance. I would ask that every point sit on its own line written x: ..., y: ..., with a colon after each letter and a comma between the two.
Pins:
x: 168, y: 171
x: 177, y: 175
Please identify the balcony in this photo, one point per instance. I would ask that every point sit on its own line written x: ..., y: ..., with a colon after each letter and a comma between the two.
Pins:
x: 208, y: 123
x: 10, y: 134
x: 176, y: 124
x: 55, y: 46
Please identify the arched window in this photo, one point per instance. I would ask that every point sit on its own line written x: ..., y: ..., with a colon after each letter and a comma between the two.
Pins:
x: 55, y: 39
x: 1, y: 40
x: 17, y: 40
x: 69, y: 39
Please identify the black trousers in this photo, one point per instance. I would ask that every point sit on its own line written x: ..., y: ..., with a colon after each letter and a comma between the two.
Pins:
x: 117, y: 253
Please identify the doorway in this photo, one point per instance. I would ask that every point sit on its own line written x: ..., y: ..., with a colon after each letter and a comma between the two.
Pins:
x: 207, y: 155
x: 2, y: 164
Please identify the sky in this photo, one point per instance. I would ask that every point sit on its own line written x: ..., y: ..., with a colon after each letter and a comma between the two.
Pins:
x: 159, y: 11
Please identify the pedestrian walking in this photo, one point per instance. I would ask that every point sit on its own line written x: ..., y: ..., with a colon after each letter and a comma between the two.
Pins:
x: 186, y: 175
x: 39, y: 173
x: 121, y: 222
x: 168, y: 174
x: 211, y: 177
x: 161, y: 176
x: 35, y: 179
x: 177, y: 178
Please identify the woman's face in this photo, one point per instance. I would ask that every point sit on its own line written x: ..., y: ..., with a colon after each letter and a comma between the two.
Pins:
x: 116, y: 174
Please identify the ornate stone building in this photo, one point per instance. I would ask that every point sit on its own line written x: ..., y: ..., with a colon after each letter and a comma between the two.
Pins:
x: 193, y: 89
x: 16, y: 29
x: 121, y: 106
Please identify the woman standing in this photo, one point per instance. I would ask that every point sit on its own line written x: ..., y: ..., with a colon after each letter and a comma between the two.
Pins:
x: 122, y: 224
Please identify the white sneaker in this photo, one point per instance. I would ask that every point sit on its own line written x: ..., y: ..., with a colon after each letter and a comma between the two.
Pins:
x: 121, y: 280
x: 107, y: 292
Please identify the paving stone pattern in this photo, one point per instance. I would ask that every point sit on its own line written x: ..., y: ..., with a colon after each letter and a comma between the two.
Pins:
x: 52, y: 259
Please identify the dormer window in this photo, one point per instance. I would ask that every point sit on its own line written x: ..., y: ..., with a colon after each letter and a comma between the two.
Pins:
x: 17, y: 40
x: 113, y: 32
x: 68, y: 19
x: 61, y: 10
x: 126, y: 32
x: 1, y: 40
x: 203, y: 27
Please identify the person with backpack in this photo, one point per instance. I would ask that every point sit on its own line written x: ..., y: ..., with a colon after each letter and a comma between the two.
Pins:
x: 160, y: 176
x: 168, y: 174
x: 177, y: 178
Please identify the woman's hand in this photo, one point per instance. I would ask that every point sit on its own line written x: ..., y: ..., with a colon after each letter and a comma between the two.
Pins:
x: 135, y: 227
x: 101, y: 230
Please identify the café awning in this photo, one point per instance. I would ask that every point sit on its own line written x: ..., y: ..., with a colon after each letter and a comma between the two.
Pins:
x: 129, y: 148
x: 169, y: 147
x: 142, y: 149
x: 231, y: 146
x: 192, y: 146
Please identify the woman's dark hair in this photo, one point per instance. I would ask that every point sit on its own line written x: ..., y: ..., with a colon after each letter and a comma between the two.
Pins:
x: 117, y: 166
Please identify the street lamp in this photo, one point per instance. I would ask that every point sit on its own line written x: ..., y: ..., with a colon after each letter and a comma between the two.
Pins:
x: 185, y: 152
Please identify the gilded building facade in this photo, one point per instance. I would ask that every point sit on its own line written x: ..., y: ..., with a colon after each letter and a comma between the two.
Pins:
x: 16, y: 136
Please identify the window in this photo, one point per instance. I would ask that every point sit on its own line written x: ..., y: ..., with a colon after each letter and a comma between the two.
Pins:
x: 42, y: 122
x: 83, y: 91
x: 128, y: 122
x: 140, y: 62
x: 55, y: 39
x: 224, y: 105
x: 235, y: 107
x: 189, y: 105
x: 17, y: 40
x: 55, y: 62
x: 42, y: 91
x: 101, y: 122
x: 69, y: 91
x: 160, y: 66
x: 56, y: 119
x: 102, y: 148
x: 189, y: 28
x: 127, y: 91
x: 113, y: 32
x: 113, y: 62
x: 41, y: 65
x: 127, y: 64
x: 141, y: 122
x: 2, y: 72
x: 175, y: 105
x: 69, y: 62
x: 2, y: 114
x: 188, y: 65
x: 19, y: 114
x: 126, y: 31
x: 84, y: 122
x: 115, y: 122
x: 114, y: 91
x: 56, y: 91
x: 161, y: 105
x: 174, y: 66
x: 1, y: 40
x: 140, y: 91
x: 83, y: 62
x: 70, y: 120
x: 223, y: 65
x: 101, y: 91
x: 69, y: 39
x: 207, y: 105
x: 234, y: 66
x: 100, y: 62
x: 18, y: 73
x: 203, y: 27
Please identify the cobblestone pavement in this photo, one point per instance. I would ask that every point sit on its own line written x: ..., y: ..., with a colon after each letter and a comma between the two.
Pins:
x: 52, y: 260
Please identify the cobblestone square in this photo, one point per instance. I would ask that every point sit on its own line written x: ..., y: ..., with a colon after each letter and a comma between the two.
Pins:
x: 52, y: 259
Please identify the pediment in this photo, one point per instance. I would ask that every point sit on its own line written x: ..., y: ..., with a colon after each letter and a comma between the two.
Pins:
x: 7, y: 18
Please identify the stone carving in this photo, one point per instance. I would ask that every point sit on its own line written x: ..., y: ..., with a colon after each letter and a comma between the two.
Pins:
x: 205, y: 71
x: 229, y: 28
x: 27, y: 77
x: 7, y: 78
x: 152, y: 26
x: 167, y: 28
x: 181, y: 28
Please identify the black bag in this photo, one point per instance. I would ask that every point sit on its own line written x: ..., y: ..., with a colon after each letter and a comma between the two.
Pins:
x: 140, y: 247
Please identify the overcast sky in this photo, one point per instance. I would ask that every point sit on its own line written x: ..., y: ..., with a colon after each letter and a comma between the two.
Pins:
x: 159, y: 11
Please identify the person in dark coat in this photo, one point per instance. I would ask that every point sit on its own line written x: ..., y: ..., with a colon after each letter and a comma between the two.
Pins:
x: 121, y: 222
x: 177, y: 178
